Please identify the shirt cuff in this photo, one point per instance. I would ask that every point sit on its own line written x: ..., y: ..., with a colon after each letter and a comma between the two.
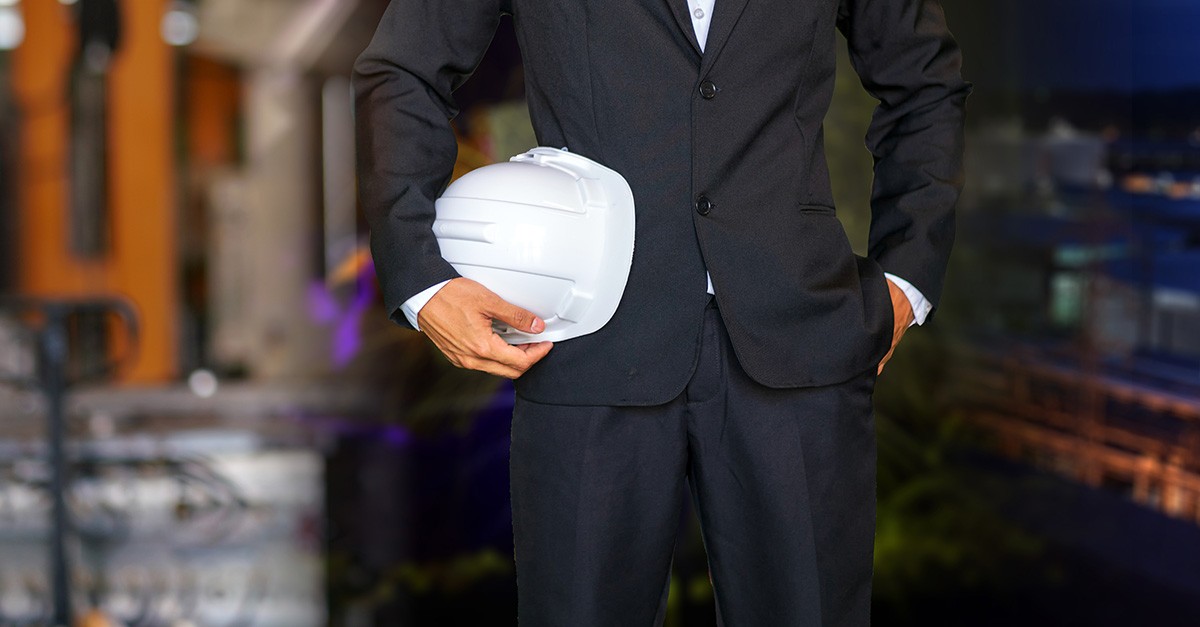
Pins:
x: 920, y: 305
x: 413, y: 306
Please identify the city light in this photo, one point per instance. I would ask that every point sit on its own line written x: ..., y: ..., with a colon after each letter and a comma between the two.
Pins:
x: 179, y: 25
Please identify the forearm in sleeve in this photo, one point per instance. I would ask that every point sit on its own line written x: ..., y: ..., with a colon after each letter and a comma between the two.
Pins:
x: 908, y: 60
x: 403, y: 83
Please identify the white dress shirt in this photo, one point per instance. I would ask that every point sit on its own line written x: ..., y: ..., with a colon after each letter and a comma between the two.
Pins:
x: 701, y: 11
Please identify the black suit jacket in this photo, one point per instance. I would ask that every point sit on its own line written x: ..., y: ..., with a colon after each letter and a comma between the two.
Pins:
x: 624, y: 82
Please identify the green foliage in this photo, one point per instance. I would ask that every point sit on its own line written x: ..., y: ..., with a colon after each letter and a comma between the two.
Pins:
x: 449, y: 578
x: 938, y: 532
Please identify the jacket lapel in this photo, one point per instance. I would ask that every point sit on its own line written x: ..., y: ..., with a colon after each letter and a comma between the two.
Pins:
x: 725, y: 17
x: 679, y: 9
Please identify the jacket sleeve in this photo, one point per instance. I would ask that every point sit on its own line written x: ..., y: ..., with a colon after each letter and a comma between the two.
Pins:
x: 907, y: 59
x: 403, y: 82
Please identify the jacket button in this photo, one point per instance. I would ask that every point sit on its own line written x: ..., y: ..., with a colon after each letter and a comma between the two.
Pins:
x: 708, y: 89
x: 704, y: 205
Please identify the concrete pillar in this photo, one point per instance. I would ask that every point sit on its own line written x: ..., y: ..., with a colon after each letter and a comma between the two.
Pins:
x: 282, y: 225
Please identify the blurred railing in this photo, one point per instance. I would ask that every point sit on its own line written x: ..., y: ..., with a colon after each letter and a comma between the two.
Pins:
x: 1107, y: 426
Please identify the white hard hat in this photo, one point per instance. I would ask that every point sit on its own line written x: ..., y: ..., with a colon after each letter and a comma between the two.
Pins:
x: 549, y: 231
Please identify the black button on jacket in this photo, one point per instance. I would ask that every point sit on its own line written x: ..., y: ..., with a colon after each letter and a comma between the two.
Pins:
x: 620, y: 81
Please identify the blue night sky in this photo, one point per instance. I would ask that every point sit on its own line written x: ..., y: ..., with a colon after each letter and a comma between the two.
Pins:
x: 1081, y: 44
x: 1166, y: 44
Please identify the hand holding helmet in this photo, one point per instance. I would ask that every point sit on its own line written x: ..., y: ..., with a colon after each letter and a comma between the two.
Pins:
x: 544, y: 245
x: 458, y: 319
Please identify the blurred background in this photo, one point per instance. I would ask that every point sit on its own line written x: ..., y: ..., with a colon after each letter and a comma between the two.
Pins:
x: 207, y: 420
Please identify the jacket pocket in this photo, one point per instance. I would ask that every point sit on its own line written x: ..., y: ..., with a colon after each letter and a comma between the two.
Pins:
x: 813, y: 208
x: 887, y: 312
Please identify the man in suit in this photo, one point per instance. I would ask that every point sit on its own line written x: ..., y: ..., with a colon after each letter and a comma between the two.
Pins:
x: 744, y: 354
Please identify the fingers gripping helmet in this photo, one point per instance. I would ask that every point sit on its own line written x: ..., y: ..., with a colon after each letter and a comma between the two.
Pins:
x: 549, y: 231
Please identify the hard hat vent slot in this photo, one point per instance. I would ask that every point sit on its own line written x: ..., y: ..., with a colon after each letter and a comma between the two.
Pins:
x: 466, y: 230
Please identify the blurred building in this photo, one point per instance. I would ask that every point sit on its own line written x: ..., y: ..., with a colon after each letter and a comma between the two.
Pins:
x: 1085, y: 355
x: 194, y: 159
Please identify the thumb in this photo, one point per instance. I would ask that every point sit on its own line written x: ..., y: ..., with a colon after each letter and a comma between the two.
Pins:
x: 516, y: 317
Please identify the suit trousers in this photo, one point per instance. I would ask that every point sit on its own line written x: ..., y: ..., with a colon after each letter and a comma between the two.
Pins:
x: 782, y: 480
